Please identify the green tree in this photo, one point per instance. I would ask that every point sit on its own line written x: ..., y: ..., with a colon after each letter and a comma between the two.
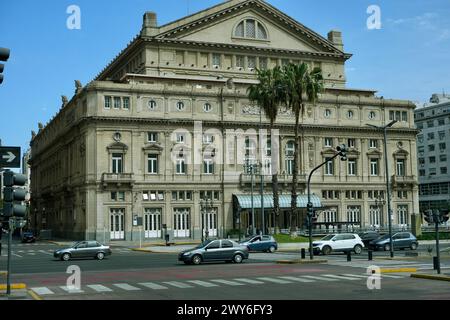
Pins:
x: 300, y: 85
x: 267, y: 94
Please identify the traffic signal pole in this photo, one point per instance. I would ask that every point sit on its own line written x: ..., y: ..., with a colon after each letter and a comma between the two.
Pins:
x: 8, y: 268
x: 438, y: 256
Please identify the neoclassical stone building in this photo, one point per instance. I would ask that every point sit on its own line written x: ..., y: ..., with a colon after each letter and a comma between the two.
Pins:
x: 168, y: 123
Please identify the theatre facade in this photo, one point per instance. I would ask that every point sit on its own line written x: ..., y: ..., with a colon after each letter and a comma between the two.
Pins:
x: 158, y: 142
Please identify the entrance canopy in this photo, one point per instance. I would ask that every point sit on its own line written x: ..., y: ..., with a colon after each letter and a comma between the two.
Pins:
x: 244, y: 201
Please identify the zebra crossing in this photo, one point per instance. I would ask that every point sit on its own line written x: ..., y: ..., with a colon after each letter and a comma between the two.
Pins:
x: 21, y: 253
x: 209, y: 283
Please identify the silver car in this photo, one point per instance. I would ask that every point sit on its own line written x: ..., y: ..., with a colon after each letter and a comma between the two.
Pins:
x: 215, y: 250
x: 83, y: 249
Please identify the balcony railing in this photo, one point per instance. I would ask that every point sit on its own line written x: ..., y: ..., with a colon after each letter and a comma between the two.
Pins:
x: 118, y: 178
x: 282, y: 178
x: 403, y: 180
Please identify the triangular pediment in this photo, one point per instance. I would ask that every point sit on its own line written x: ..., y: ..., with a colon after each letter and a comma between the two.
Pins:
x: 218, y: 25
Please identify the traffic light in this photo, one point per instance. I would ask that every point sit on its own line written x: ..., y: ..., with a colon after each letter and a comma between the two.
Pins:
x: 12, y: 194
x: 4, y: 56
x: 428, y: 215
x: 342, y: 149
x: 309, y: 209
x: 444, y: 215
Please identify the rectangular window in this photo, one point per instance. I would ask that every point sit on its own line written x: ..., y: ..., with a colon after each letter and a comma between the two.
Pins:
x: 208, y: 138
x: 126, y: 103
x: 181, y: 195
x: 373, y: 143
x: 208, y: 166
x: 117, y: 163
x: 180, y: 138
x: 430, y: 124
x: 432, y: 171
x: 153, y: 163
x: 114, y: 196
x: 430, y: 136
x: 432, y: 159
x: 328, y: 142
x: 188, y: 195
x: 351, y: 143
x: 216, y: 60
x: 419, y: 126
x: 263, y: 63
x: 180, y: 166
x: 422, y: 173
x: 431, y: 147
x: 441, y: 135
x: 251, y: 62
x: 442, y: 146
x: 152, y: 137
x: 107, y: 102
x: 374, y: 167
x: 174, y: 195
x: 289, y: 167
x: 443, y: 170
x: 121, y: 196
x: 329, y: 166
x: 352, y: 167
x: 117, y: 103
x: 400, y: 167
x: 397, y: 116
x: 404, y: 116
x: 441, y: 122
x: 443, y: 158
x: 391, y: 115
x: 240, y: 61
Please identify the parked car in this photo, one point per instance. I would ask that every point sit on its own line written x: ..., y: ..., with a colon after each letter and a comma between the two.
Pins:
x: 368, y: 236
x: 261, y: 243
x: 28, y: 237
x: 215, y: 250
x: 400, y: 240
x: 83, y: 249
x: 338, y: 242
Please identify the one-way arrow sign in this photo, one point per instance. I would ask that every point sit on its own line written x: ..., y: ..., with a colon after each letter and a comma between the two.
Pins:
x: 9, y: 157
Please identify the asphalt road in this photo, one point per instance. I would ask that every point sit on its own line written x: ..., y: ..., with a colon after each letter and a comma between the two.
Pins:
x: 136, y: 275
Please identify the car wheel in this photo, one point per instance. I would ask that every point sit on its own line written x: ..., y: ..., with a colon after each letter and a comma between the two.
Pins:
x: 413, y: 246
x: 238, y: 258
x: 65, y: 257
x: 357, y: 249
x: 196, y: 259
x: 326, y: 250
x: 272, y: 249
x: 100, y: 256
x: 387, y: 247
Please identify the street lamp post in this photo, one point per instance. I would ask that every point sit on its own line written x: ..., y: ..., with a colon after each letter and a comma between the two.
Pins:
x: 261, y: 172
x: 204, y: 204
x: 388, y: 191
x: 342, y: 152
x: 250, y: 168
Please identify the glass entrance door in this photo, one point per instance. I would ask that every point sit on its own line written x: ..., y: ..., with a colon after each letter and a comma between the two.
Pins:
x: 152, y: 223
x: 117, y: 217
x: 181, y: 223
x: 209, y: 223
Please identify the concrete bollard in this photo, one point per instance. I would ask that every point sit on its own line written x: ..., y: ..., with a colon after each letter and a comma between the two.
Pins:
x: 370, y: 252
x: 349, y: 256
x: 303, y: 253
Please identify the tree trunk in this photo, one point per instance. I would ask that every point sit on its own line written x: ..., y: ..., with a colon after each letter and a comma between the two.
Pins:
x: 276, y: 202
x: 295, y: 173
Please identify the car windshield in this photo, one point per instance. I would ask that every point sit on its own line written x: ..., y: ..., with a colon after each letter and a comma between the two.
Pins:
x: 247, y: 239
x: 75, y: 244
x: 386, y: 236
x: 203, y: 244
x: 328, y: 237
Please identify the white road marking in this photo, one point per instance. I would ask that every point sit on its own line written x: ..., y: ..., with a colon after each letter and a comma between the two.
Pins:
x: 250, y: 281
x: 355, y: 275
x: 42, y: 290
x: 126, y: 286
x: 319, y: 278
x: 203, y: 283
x: 230, y: 283
x: 152, y: 285
x: 297, y: 279
x: 274, y: 280
x: 16, y: 255
x: 178, y: 284
x: 71, y: 289
x: 391, y: 276
x: 339, y: 277
x: 99, y: 288
x: 42, y: 251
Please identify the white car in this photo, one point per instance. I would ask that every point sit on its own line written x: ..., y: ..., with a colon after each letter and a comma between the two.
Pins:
x: 338, y: 242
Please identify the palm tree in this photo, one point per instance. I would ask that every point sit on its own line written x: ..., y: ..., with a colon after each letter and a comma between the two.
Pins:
x: 299, y: 83
x: 266, y: 94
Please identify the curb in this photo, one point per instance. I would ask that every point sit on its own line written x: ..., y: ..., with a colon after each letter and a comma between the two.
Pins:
x: 398, y: 270
x: 14, y: 286
x: 430, y: 277
x: 34, y: 295
x: 301, y: 261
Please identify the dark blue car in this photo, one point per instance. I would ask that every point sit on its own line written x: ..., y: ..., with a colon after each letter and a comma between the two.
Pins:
x: 261, y: 243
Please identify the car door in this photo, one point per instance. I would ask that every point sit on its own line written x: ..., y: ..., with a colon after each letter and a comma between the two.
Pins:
x: 348, y: 242
x: 227, y: 251
x: 212, y: 251
x: 397, y: 240
x: 265, y: 243
x: 255, y: 243
x: 338, y: 243
x: 80, y: 250
x: 405, y: 240
x: 93, y: 248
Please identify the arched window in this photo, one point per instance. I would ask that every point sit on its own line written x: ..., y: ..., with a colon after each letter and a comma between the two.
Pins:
x: 252, y: 29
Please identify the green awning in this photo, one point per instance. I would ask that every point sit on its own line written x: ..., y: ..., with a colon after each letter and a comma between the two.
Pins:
x: 245, y: 201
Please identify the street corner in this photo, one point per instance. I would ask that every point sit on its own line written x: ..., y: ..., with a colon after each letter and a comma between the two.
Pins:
x: 439, y: 277
x: 19, y: 294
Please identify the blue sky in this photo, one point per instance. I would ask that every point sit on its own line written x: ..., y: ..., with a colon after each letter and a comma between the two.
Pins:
x: 408, y: 58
